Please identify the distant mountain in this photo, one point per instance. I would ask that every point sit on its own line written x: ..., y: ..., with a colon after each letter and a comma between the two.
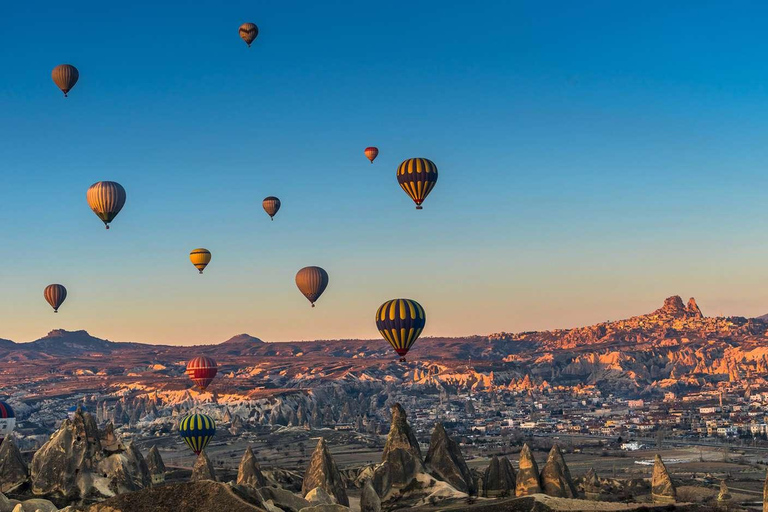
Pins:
x: 242, y: 339
x: 762, y: 318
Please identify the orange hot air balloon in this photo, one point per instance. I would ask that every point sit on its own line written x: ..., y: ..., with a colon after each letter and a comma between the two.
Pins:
x: 55, y: 295
x: 271, y: 205
x: 65, y: 77
x: 371, y: 153
x: 312, y: 282
x: 200, y: 258
x: 106, y: 199
x: 249, y: 32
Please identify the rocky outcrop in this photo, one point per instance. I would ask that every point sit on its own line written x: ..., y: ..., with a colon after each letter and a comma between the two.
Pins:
x: 322, y: 472
x: 724, y: 494
x: 203, y: 468
x: 499, y: 478
x: 555, y: 477
x: 156, y: 466
x: 284, y: 499
x: 62, y: 466
x: 318, y: 496
x: 237, y: 426
x: 126, y: 471
x: 401, y: 451
x: 446, y: 462
x: 527, y: 481
x: 202, y: 496
x: 692, y: 309
x: 591, y: 485
x: 13, y: 470
x: 369, y: 500
x: 765, y: 493
x: 326, y: 508
x: 662, y: 488
x: 249, y: 472
x: 109, y: 441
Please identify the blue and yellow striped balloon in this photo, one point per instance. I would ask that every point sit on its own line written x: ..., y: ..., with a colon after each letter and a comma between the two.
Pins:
x: 197, y: 430
x: 400, y: 322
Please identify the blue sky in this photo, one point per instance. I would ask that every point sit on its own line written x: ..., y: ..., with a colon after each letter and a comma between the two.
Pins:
x: 594, y: 158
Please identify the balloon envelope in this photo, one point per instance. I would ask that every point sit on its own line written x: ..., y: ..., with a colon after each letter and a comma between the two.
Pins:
x: 271, y: 205
x: 197, y: 430
x: 202, y: 370
x: 55, y: 295
x: 249, y: 32
x: 371, y: 153
x: 400, y: 322
x: 200, y: 258
x: 312, y: 282
x: 65, y: 77
x: 106, y: 199
x: 417, y: 177
x: 7, y: 420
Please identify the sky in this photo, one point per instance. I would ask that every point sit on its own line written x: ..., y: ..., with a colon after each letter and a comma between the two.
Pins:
x: 594, y: 158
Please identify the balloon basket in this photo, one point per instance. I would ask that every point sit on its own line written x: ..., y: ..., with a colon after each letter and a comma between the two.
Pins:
x: 419, y: 207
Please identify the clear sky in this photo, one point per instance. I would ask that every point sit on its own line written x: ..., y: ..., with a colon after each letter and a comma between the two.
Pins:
x: 594, y: 157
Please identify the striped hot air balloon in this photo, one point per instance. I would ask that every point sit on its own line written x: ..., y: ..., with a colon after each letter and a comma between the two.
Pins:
x: 200, y: 258
x: 55, y: 295
x: 249, y: 32
x: 400, y: 322
x: 197, y: 430
x: 65, y: 77
x: 7, y: 420
x: 371, y: 153
x: 312, y: 282
x: 106, y: 199
x: 202, y: 370
x: 417, y: 176
x: 271, y: 205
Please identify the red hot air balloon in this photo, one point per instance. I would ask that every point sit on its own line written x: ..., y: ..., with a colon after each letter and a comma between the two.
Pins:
x: 371, y: 153
x: 202, y: 370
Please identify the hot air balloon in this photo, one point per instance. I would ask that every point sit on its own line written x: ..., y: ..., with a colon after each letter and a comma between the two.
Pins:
x: 106, y: 199
x: 197, y: 430
x: 55, y: 295
x: 417, y: 176
x: 202, y: 370
x: 271, y: 205
x: 73, y: 410
x: 371, y: 153
x: 200, y: 258
x: 7, y: 420
x: 312, y: 282
x: 400, y: 322
x: 249, y: 32
x: 65, y: 77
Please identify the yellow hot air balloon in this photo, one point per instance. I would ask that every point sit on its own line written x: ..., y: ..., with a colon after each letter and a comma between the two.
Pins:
x: 200, y: 258
x: 249, y: 32
x: 106, y: 199
x: 417, y: 177
x: 312, y: 282
x: 400, y: 322
x: 65, y: 77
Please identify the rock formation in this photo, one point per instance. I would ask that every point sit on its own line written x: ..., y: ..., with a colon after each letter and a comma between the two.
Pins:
x: 693, y: 309
x: 369, y: 500
x: 318, y: 496
x: 126, y: 471
x: 63, y: 464
x: 401, y: 451
x: 499, y: 478
x: 249, y: 473
x: 765, y: 493
x: 445, y: 460
x: 662, y: 488
x: 156, y: 466
x: 555, y: 477
x: 527, y: 481
x: 237, y: 426
x: 591, y: 485
x: 203, y: 469
x: 13, y: 469
x: 322, y: 472
x: 724, y: 494
x: 109, y: 441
